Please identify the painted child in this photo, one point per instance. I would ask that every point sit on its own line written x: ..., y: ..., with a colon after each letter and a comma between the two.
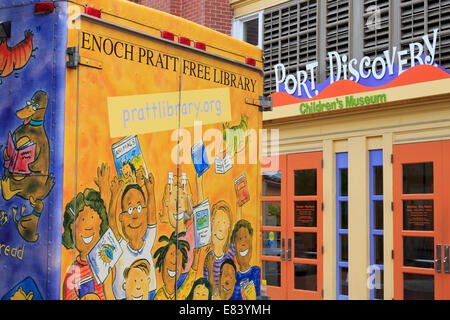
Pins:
x: 201, y: 290
x: 170, y: 264
x: 137, y: 281
x: 227, y: 281
x: 222, y: 249
x: 137, y: 222
x: 248, y: 277
x: 180, y: 220
x: 88, y: 213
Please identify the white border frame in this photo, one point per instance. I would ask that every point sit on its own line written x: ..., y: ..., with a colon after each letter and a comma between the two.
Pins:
x: 237, y: 27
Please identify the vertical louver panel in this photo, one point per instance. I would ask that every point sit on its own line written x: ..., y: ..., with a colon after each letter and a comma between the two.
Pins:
x: 376, y: 28
x: 439, y: 17
x: 337, y: 27
x: 422, y: 17
x: 290, y: 38
x: 412, y: 19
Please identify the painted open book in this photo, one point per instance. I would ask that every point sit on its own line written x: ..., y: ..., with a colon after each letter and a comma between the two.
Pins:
x: 223, y: 165
x: 104, y: 255
x: 19, y: 156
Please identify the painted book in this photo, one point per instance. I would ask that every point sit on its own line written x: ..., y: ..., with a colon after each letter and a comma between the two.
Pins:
x: 223, y: 165
x: 19, y: 157
x: 202, y: 223
x: 242, y: 194
x: 200, y: 158
x: 248, y: 290
x: 128, y: 159
x: 104, y: 255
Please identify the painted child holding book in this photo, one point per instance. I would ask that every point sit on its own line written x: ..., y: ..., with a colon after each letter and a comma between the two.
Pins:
x: 136, y: 230
x: 248, y: 277
x: 88, y: 213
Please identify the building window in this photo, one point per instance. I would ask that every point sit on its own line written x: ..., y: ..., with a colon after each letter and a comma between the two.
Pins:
x: 342, y: 226
x: 376, y: 224
x: 249, y: 29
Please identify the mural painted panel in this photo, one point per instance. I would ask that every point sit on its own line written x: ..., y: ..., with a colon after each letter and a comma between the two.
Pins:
x: 153, y: 212
x: 31, y: 131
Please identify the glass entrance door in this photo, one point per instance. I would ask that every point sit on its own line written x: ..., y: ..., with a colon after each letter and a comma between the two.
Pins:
x: 304, y: 226
x: 273, y: 226
x: 421, y: 226
x: 292, y: 227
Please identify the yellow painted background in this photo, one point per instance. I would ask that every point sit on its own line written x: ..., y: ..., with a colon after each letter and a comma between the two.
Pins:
x: 87, y: 132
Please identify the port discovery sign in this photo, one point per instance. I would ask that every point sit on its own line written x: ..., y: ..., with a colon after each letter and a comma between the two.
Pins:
x: 356, y: 83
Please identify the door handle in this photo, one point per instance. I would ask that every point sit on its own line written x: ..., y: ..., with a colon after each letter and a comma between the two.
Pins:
x: 282, y: 250
x: 446, y: 259
x: 289, y: 250
x: 437, y: 261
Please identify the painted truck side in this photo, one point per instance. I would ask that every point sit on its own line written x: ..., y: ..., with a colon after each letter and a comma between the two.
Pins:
x: 32, y: 87
x: 152, y: 164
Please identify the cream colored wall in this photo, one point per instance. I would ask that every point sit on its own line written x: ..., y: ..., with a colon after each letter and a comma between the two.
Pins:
x: 358, y: 217
x: 357, y: 132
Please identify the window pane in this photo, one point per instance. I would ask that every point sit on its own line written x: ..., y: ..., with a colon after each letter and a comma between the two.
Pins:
x: 378, y: 214
x: 378, y: 249
x: 418, y: 178
x: 378, y: 180
x: 418, y: 252
x: 343, y: 247
x: 251, y: 32
x: 305, y: 245
x: 418, y: 215
x: 305, y: 182
x: 271, y: 272
x: 271, y: 183
x: 343, y: 290
x: 343, y: 178
x: 343, y: 205
x: 271, y: 213
x: 305, y: 277
x: 306, y: 214
x: 379, y: 285
x: 271, y: 243
x: 418, y: 286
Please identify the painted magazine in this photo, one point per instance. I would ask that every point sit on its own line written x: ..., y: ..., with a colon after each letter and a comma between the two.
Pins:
x: 128, y: 159
x: 202, y: 223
